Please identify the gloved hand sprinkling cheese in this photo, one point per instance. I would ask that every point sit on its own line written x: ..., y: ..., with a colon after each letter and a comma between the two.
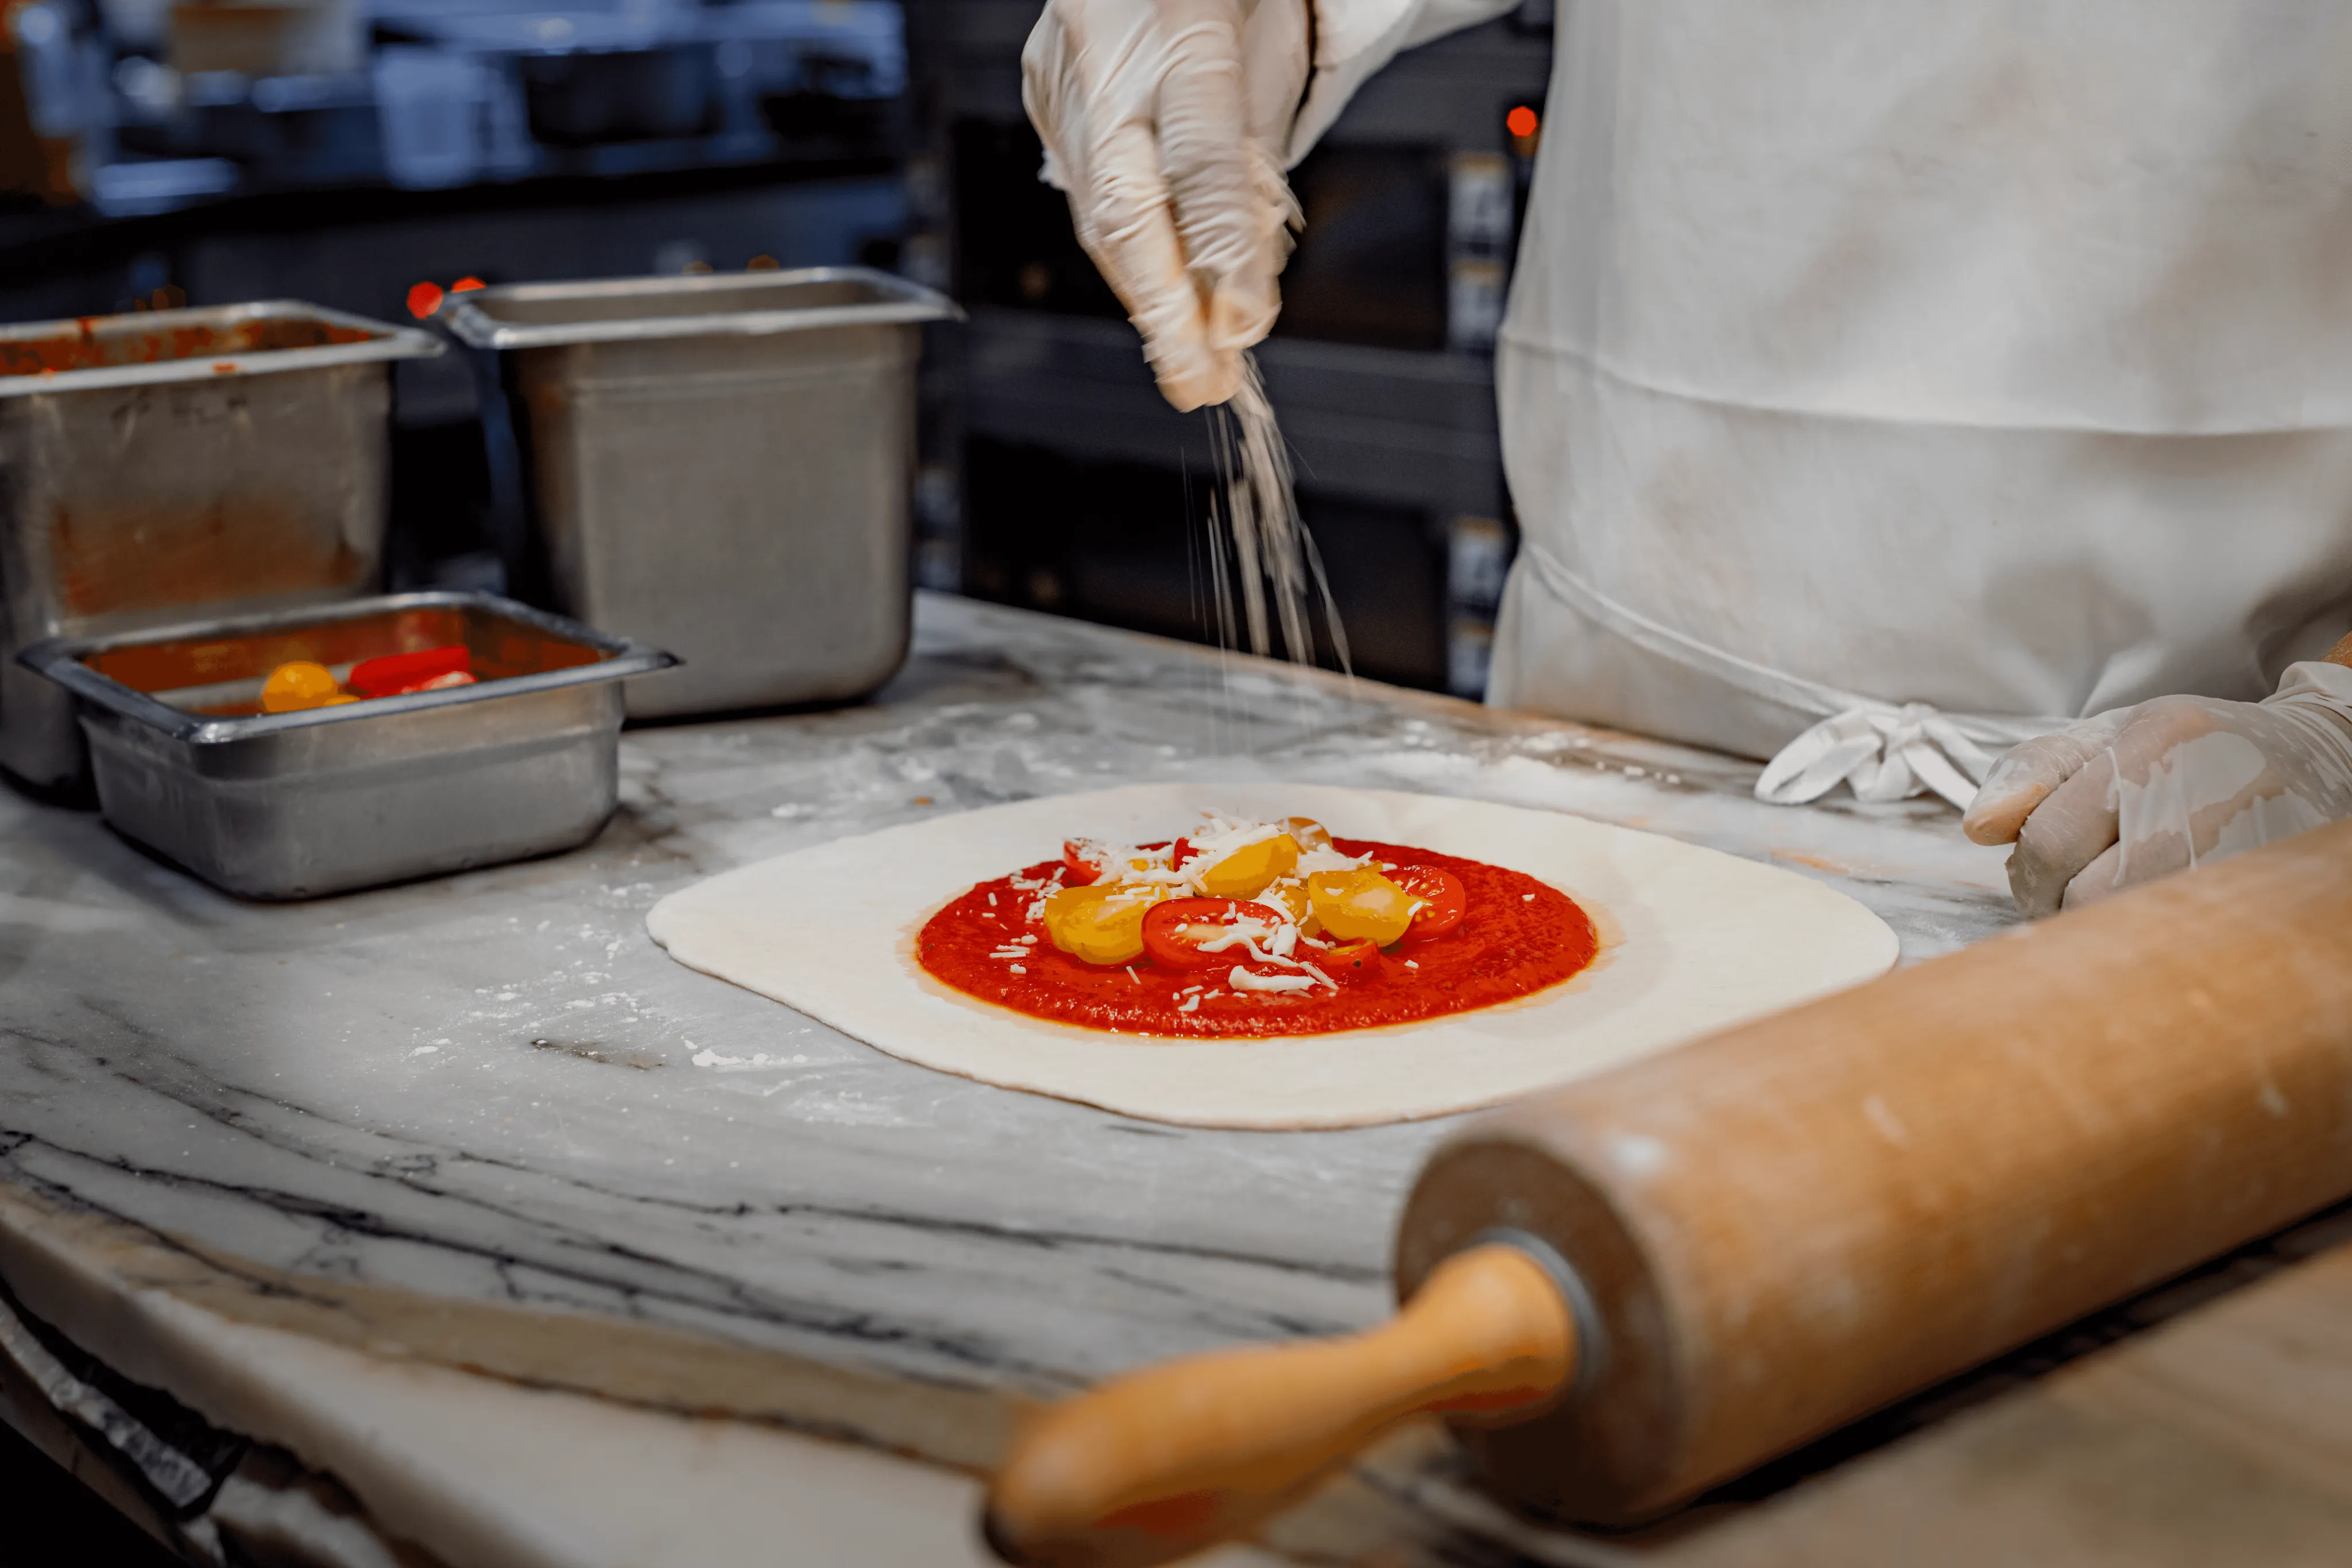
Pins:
x: 1165, y: 122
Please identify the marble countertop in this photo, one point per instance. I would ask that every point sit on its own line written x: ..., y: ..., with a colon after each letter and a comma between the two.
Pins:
x: 493, y: 1094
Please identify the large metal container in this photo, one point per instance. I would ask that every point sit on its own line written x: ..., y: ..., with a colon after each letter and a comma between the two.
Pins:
x: 719, y: 464
x: 171, y: 461
x: 293, y: 805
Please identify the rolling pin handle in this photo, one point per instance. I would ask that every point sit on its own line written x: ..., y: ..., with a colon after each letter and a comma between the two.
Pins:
x: 1592, y: 1343
x: 1165, y: 1462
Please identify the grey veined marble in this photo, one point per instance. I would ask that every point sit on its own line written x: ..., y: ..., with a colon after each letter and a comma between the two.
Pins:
x: 493, y: 1087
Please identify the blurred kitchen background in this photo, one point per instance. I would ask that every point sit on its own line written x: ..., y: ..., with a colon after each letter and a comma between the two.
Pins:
x: 370, y: 155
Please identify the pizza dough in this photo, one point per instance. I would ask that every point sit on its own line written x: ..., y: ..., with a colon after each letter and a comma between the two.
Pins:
x: 1695, y: 940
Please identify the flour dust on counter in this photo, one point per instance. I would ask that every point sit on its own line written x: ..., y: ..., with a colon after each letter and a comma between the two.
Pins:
x: 1691, y: 940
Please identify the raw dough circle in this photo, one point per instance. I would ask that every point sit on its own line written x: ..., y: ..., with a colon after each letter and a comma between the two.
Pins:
x: 1696, y: 940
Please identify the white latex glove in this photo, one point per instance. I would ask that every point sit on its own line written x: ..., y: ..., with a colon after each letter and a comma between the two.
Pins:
x: 2134, y: 793
x: 1169, y: 123
x: 1166, y: 122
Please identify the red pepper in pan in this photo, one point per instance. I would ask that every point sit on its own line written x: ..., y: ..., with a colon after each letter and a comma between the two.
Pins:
x: 396, y: 675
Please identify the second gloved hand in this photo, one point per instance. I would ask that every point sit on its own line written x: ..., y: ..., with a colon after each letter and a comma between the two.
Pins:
x: 2131, y: 795
x: 1166, y: 121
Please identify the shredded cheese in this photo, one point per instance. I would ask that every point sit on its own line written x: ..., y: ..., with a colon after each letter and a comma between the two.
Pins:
x: 1241, y: 979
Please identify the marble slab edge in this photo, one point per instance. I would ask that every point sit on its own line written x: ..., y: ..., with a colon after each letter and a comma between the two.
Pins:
x: 150, y: 1305
x: 136, y: 1299
x: 2228, y: 1424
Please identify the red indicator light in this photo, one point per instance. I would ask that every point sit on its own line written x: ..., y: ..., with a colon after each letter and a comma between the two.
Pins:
x: 424, y: 299
x: 467, y: 285
x: 1521, y: 122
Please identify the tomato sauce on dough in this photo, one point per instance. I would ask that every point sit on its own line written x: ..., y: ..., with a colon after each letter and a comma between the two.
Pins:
x: 1520, y: 937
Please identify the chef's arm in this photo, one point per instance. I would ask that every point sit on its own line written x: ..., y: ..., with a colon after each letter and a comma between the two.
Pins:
x: 1354, y: 38
x: 1169, y: 124
x: 2138, y: 793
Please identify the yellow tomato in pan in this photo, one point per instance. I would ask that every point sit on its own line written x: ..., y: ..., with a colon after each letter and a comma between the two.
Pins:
x: 1361, y: 904
x: 299, y: 685
x: 1101, y: 925
x: 1249, y: 870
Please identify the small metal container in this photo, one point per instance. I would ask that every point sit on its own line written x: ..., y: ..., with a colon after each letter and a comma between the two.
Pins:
x: 719, y: 464
x: 293, y: 805
x: 173, y: 461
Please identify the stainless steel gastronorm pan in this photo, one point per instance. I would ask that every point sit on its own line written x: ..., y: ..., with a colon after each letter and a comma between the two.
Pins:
x: 180, y: 462
x: 720, y: 464
x: 293, y: 805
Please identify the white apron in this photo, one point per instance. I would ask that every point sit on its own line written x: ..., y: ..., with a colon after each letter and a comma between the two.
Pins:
x: 1886, y: 381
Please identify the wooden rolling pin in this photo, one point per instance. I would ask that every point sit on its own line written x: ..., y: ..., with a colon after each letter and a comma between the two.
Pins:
x: 1658, y: 1278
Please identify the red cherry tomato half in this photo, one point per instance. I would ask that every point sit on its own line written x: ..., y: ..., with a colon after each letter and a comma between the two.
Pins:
x: 1349, y: 963
x: 1082, y: 871
x: 1444, y: 899
x: 1176, y: 927
x: 397, y: 673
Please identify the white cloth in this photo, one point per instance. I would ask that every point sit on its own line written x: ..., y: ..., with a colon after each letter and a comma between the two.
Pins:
x: 1989, y: 365
x: 1882, y: 750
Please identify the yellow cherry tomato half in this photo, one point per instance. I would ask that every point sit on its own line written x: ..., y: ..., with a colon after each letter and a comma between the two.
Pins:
x: 1360, y: 905
x: 1310, y: 833
x: 1290, y: 897
x: 292, y: 687
x: 1101, y: 925
x: 1249, y: 870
